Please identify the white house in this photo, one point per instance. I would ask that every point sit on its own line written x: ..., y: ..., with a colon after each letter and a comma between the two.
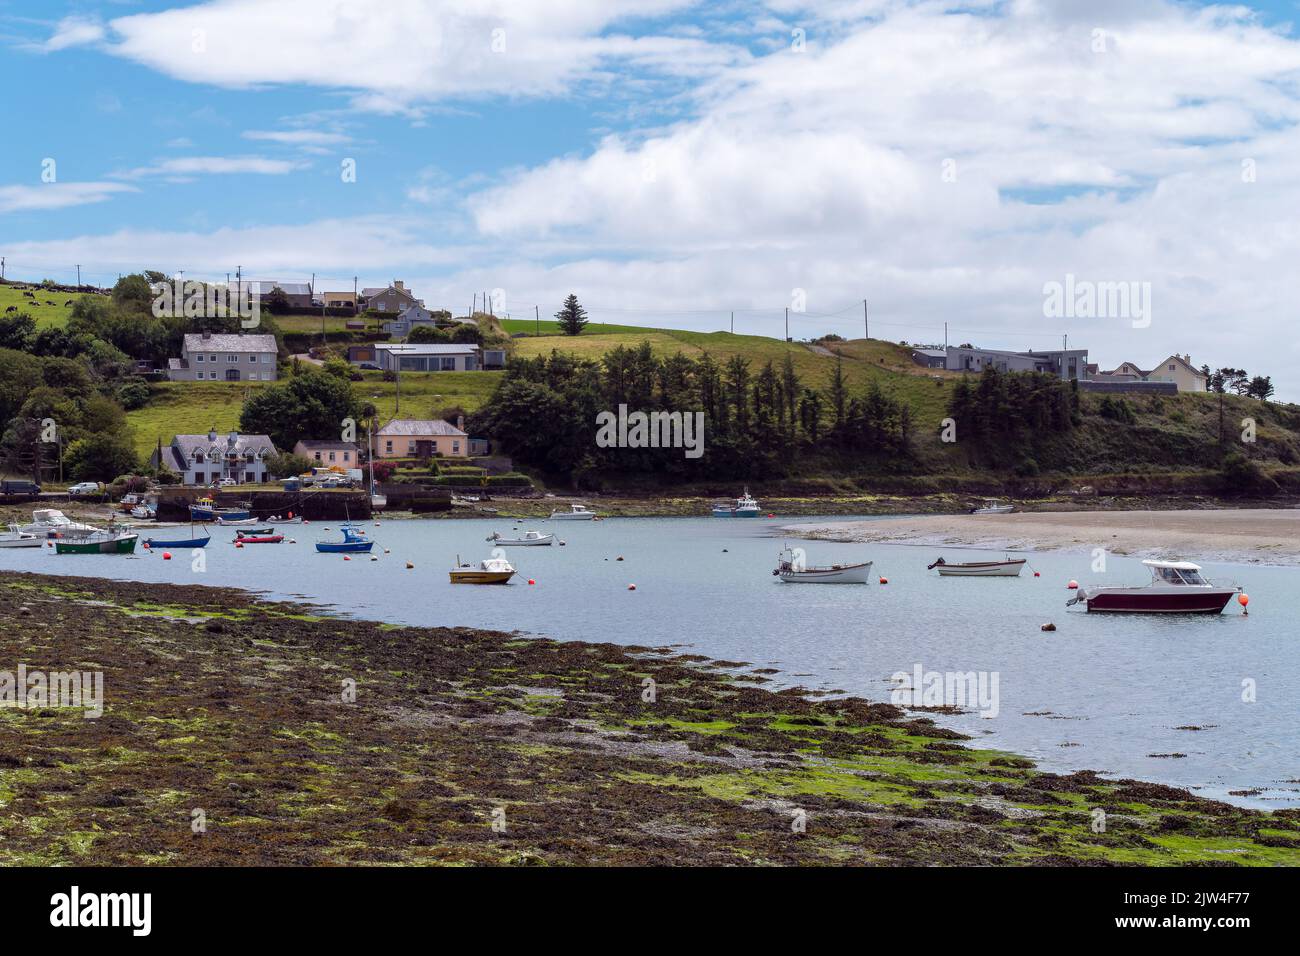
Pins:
x: 204, y: 459
x: 219, y: 357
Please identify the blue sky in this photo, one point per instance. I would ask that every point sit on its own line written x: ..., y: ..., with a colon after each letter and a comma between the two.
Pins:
x: 671, y: 161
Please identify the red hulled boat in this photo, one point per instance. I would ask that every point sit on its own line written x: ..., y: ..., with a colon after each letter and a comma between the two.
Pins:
x: 1176, y: 587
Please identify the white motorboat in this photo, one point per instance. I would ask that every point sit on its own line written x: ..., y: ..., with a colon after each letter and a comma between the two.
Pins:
x: 743, y: 507
x: 1176, y: 587
x: 14, y: 538
x: 1007, y: 568
x: 530, y: 539
x: 53, y: 523
x: 238, y: 522
x: 792, y: 568
x: 992, y: 506
x: 575, y: 513
x: 489, y: 571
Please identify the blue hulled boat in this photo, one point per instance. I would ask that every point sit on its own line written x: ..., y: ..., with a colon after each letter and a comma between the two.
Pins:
x: 206, y: 510
x: 190, y: 542
x: 353, y: 541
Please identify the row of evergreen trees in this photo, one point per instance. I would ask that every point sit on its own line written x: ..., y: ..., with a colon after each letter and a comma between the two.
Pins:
x: 758, y: 423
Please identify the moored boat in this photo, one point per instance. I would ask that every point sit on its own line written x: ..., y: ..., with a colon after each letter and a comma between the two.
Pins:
x: 205, y: 509
x: 488, y: 571
x: 190, y: 542
x: 992, y: 506
x: 353, y: 541
x: 575, y: 513
x: 743, y: 507
x: 792, y: 568
x: 101, y: 542
x: 53, y: 523
x: 530, y: 539
x: 14, y: 538
x: 258, y: 538
x: 1007, y: 568
x: 1176, y: 587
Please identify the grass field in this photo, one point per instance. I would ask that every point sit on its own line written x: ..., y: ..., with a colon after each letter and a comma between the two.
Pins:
x: 864, y: 359
x: 193, y: 407
x: 45, y: 315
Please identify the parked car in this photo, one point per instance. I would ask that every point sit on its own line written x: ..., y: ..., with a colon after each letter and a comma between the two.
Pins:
x: 18, y: 487
x: 227, y: 483
x: 84, y: 488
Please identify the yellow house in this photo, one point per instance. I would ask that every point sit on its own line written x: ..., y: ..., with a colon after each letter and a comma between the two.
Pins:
x: 407, y: 438
x: 1176, y: 368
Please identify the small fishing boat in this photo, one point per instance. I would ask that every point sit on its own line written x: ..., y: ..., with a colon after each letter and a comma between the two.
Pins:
x: 792, y: 569
x: 1006, y: 568
x: 194, y: 542
x: 236, y: 522
x: 292, y: 519
x: 110, y: 541
x: 144, y: 512
x: 575, y: 513
x: 206, y: 510
x: 1176, y: 587
x: 353, y: 541
x: 743, y: 507
x: 53, y: 523
x: 14, y: 538
x: 265, y: 538
x: 488, y: 571
x: 530, y: 539
x: 992, y: 506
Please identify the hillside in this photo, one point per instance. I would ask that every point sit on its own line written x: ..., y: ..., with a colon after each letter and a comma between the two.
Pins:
x: 49, y: 308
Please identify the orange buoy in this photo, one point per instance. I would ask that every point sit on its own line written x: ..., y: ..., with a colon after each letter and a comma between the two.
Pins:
x: 346, y: 558
x: 884, y: 580
x: 239, y: 544
x: 771, y: 515
x: 145, y: 545
x: 1073, y: 585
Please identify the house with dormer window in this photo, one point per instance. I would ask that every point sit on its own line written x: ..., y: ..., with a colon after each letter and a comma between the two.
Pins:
x: 206, y: 459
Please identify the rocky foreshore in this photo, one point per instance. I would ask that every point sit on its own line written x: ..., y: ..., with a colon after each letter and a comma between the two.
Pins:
x: 236, y: 731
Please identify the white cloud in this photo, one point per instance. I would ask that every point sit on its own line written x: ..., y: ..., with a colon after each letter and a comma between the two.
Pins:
x: 402, y: 53
x: 74, y: 31
x: 298, y: 137
x: 57, y: 195
x: 188, y: 167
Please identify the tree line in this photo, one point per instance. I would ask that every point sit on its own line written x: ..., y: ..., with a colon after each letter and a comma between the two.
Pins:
x: 759, y: 423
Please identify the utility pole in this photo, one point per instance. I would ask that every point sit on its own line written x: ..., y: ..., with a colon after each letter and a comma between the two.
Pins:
x: 2, y: 267
x: 78, y: 275
x: 866, y: 321
x: 945, y: 336
x: 239, y: 285
x: 787, y: 323
x: 537, y: 317
x: 473, y: 305
x: 733, y: 323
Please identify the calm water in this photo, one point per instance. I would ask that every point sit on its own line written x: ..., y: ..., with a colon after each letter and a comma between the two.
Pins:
x: 1102, y: 692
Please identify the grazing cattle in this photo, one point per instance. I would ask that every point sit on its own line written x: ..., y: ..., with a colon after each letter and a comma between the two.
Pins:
x: 12, y: 308
x: 49, y: 302
x: 29, y: 295
x: 69, y: 302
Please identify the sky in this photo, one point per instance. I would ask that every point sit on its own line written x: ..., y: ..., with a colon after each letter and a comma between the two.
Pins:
x: 673, y: 162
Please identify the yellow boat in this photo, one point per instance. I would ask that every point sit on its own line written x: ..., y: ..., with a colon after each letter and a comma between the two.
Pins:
x: 490, y: 571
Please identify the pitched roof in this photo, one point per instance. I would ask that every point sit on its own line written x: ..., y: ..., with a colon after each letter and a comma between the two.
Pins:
x: 195, y: 342
x: 423, y: 429
x: 180, y: 452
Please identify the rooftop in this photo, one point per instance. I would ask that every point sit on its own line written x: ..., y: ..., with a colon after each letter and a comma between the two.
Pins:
x: 421, y: 349
x: 429, y: 428
x: 221, y: 342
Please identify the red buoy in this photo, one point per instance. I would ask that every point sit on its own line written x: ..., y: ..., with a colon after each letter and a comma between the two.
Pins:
x: 167, y: 555
x: 1073, y: 585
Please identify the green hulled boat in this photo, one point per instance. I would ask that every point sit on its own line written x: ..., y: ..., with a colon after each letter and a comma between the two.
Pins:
x: 100, y: 543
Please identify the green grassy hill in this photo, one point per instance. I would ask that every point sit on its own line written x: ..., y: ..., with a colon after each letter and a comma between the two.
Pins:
x: 40, y: 309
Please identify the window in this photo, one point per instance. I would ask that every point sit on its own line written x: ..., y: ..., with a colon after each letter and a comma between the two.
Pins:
x: 198, y: 358
x: 232, y: 358
x: 1171, y: 366
x: 388, y: 446
x: 252, y: 356
x: 455, y: 447
x: 318, y: 456
x: 331, y: 456
x: 449, y: 363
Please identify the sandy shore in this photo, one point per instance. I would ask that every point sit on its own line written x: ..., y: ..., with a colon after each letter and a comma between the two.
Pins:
x: 1237, y: 536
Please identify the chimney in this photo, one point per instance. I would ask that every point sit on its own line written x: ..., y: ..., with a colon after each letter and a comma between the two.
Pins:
x: 212, y: 433
x: 399, y: 285
x: 206, y: 336
x: 460, y: 422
